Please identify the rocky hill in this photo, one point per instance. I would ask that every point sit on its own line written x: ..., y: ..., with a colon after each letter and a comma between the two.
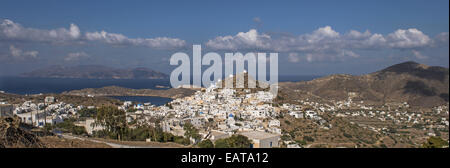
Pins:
x: 94, y: 72
x: 417, y: 84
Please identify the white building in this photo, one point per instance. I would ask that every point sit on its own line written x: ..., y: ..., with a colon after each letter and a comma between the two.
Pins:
x: 274, y: 123
x: 49, y: 99
x: 262, y: 139
x: 90, y: 126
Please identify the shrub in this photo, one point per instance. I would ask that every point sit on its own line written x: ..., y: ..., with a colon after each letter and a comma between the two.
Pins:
x: 205, y: 144
x: 308, y: 138
x: 235, y: 141
x: 435, y: 142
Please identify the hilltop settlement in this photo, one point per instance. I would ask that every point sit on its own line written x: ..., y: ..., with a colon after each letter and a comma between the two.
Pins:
x: 222, y: 117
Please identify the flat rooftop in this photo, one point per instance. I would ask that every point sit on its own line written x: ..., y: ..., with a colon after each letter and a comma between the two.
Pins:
x: 258, y: 134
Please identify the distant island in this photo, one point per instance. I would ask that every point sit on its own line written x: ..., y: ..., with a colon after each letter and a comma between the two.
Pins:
x: 120, y: 91
x: 94, y: 72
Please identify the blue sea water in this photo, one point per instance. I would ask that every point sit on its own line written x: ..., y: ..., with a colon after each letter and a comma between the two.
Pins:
x: 19, y: 85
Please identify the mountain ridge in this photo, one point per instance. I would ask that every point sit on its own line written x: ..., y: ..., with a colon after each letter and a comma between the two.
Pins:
x: 418, y: 84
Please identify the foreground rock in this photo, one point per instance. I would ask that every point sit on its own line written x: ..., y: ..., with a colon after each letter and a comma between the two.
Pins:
x: 12, y: 136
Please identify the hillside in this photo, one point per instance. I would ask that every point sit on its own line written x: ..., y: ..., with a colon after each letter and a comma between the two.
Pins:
x: 417, y: 84
x: 94, y: 72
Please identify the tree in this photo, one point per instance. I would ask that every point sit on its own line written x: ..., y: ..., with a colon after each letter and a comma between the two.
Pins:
x: 157, y: 134
x: 239, y: 141
x: 85, y: 112
x: 191, y: 131
x: 205, y: 144
x: 68, y: 126
x: 113, y: 119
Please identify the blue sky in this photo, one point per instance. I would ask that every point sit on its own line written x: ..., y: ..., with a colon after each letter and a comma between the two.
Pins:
x: 319, y: 33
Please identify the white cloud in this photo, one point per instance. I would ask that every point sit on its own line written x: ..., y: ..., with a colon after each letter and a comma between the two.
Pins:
x: 19, y: 54
x: 10, y: 30
x: 347, y: 53
x: 323, y: 33
x: 243, y: 40
x: 119, y: 39
x: 13, y: 31
x: 442, y: 37
x: 75, y: 56
x: 418, y: 55
x: 410, y: 38
x: 293, y: 57
x: 323, y: 38
x: 325, y: 42
x: 353, y: 34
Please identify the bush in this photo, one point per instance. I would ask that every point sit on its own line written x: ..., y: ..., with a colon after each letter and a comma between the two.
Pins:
x: 181, y: 140
x: 69, y: 127
x: 435, y: 142
x: 205, y: 144
x: 222, y: 143
x: 168, y: 137
x: 287, y: 122
x: 235, y: 141
x: 308, y: 138
x: 78, y: 130
x: 300, y: 142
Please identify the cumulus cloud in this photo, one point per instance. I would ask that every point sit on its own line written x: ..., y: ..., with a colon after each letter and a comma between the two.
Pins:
x: 322, y: 39
x: 76, y: 56
x: 12, y: 31
x: 19, y: 54
x: 243, y: 40
x: 323, y: 33
x: 410, y: 38
x: 325, y: 43
x: 119, y: 39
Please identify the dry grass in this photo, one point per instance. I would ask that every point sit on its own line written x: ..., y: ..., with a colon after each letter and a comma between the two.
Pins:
x: 56, y: 142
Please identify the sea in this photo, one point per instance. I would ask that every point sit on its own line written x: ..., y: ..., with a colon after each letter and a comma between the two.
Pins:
x: 27, y: 85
